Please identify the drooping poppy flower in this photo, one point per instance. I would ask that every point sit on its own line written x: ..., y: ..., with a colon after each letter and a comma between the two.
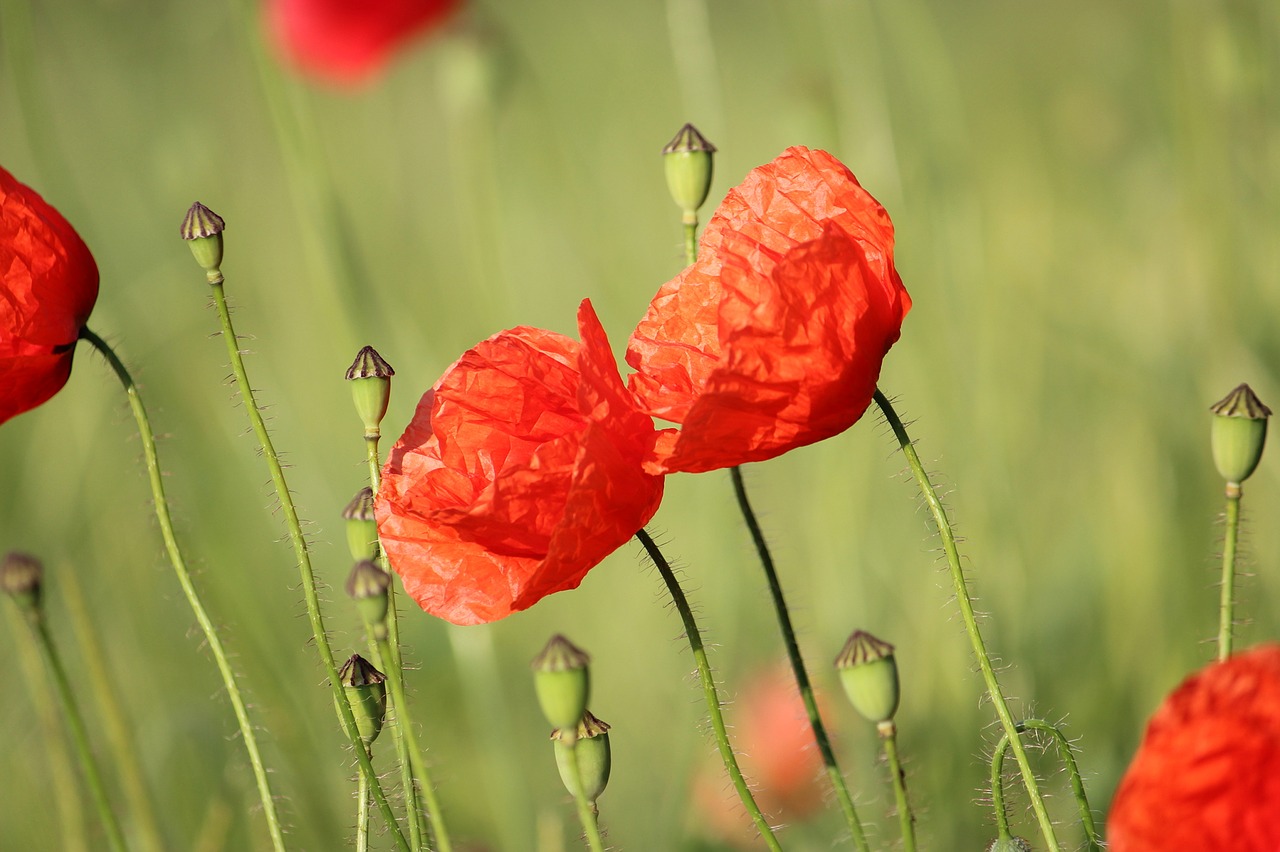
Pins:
x: 774, y: 338
x: 520, y: 471
x: 1207, y: 775
x: 347, y: 41
x: 48, y: 284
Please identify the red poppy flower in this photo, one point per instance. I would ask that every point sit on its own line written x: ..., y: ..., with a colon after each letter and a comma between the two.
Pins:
x: 773, y: 339
x: 48, y: 284
x: 521, y: 470
x: 346, y: 41
x: 1207, y: 775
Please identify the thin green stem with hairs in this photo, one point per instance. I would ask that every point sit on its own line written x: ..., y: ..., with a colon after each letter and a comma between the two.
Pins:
x: 176, y: 559
x: 362, y: 813
x: 302, y: 552
x: 1068, y: 759
x: 1227, y: 602
x: 708, y: 689
x: 970, y: 619
x: 888, y: 731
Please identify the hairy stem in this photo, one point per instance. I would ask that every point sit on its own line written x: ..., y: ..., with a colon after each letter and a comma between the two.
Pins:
x: 1227, y: 603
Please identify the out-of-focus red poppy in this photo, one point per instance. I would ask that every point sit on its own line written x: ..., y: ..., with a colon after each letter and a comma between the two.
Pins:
x: 778, y: 755
x: 346, y: 41
x: 1207, y: 775
x: 773, y: 339
x: 48, y: 284
x: 521, y: 470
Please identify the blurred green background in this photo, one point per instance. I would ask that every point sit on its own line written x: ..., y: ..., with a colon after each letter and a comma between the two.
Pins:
x: 1086, y: 202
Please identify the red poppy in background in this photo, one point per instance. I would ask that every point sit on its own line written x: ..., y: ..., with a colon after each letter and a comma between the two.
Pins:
x: 347, y: 41
x: 773, y: 339
x: 1207, y: 775
x: 521, y: 470
x: 48, y: 284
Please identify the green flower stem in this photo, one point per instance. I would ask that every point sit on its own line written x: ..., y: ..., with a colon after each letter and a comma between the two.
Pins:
x: 1073, y: 770
x: 304, y: 562
x: 413, y: 765
x: 362, y: 814
x: 1227, y: 604
x: 588, y: 815
x: 79, y: 736
x: 690, y: 242
x: 176, y: 559
x: 970, y: 619
x: 708, y: 689
x: 889, y: 736
x: 797, y: 664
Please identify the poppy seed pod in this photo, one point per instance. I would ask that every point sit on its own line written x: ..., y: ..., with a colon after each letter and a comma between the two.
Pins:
x: 367, y: 692
x: 689, y: 162
x: 362, y: 527
x: 370, y: 378
x: 869, y: 675
x: 202, y: 229
x: 562, y: 680
x: 367, y: 585
x: 1009, y: 844
x: 21, y: 576
x: 587, y: 743
x: 1239, y: 433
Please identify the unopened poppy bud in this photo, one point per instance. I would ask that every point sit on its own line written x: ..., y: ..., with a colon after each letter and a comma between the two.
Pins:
x: 869, y: 675
x: 367, y: 692
x: 589, y: 746
x: 1239, y: 433
x: 367, y: 585
x: 563, y: 682
x: 202, y: 229
x: 688, y: 161
x: 362, y: 526
x: 20, y: 578
x: 370, y: 378
x: 1009, y: 844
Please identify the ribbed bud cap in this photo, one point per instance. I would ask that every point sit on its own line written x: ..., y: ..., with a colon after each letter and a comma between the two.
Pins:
x: 588, y: 743
x: 562, y: 680
x: 366, y: 690
x: 689, y: 163
x: 869, y: 675
x: 202, y: 229
x: 362, y: 526
x: 1238, y: 433
x: 370, y: 377
x: 21, y: 577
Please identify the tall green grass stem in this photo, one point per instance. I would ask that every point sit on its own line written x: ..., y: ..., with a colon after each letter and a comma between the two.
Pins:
x: 1227, y: 603
x: 1073, y: 770
x: 176, y: 559
x: 304, y: 561
x: 708, y: 689
x: 797, y: 663
x: 79, y: 735
x: 587, y: 813
x: 888, y: 731
x: 970, y: 619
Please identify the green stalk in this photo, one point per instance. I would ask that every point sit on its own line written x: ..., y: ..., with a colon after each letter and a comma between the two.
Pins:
x: 79, y: 736
x: 303, y: 555
x: 906, y: 822
x: 176, y: 559
x: 970, y: 619
x: 1227, y: 603
x: 362, y: 814
x: 587, y: 813
x: 690, y: 242
x: 1073, y: 770
x: 797, y: 664
x: 708, y: 689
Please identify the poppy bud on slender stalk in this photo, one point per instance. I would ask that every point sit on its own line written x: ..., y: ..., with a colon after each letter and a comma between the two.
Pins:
x: 370, y: 378
x: 588, y: 741
x: 563, y: 683
x: 367, y: 585
x: 869, y: 675
x: 367, y: 692
x: 1239, y: 433
x: 202, y: 229
x: 21, y: 576
x: 362, y: 527
x: 689, y: 164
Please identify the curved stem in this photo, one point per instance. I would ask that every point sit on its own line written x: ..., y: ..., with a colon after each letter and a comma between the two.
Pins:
x: 1068, y: 760
x: 587, y: 813
x: 797, y: 664
x: 708, y: 689
x: 1227, y: 603
x: 176, y: 559
x: 970, y: 619
x: 304, y: 562
x: 79, y: 735
x: 906, y: 822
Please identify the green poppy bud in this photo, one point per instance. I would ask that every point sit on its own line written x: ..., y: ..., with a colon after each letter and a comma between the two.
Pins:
x: 367, y: 692
x: 367, y: 585
x: 370, y: 378
x: 21, y: 576
x: 562, y: 681
x: 202, y: 229
x: 689, y: 163
x: 1009, y: 844
x: 869, y: 675
x: 589, y: 745
x: 1238, y: 434
x: 362, y: 527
